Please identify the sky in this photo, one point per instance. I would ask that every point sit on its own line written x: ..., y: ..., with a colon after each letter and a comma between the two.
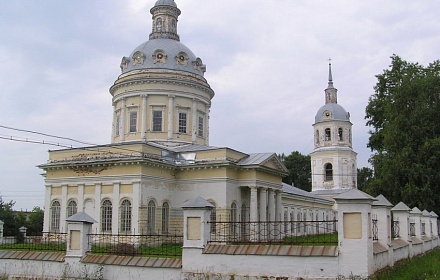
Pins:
x: 267, y: 62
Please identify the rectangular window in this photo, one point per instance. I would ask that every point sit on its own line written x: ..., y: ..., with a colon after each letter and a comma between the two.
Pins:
x: 133, y: 121
x: 200, y: 127
x: 117, y: 125
x: 157, y: 121
x: 182, y: 122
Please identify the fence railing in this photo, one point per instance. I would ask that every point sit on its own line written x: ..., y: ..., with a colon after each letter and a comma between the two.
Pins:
x: 279, y: 232
x: 395, y: 229
x: 375, y: 229
x: 48, y: 241
x: 137, y: 245
x: 412, y: 229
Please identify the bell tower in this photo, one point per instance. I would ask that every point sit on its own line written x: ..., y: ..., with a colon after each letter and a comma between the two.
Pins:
x: 333, y: 161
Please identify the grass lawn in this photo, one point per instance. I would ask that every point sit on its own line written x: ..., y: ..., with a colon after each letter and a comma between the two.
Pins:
x: 424, y: 267
x: 313, y: 240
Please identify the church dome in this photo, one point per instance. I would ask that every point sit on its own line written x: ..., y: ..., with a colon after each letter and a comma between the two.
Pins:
x: 163, y: 54
x: 332, y: 112
x: 163, y: 50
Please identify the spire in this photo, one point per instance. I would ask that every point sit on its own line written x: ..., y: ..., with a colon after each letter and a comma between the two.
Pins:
x: 165, y: 14
x: 331, y: 93
x: 330, y: 78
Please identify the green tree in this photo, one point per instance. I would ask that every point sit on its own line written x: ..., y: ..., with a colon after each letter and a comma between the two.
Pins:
x: 34, y: 222
x: 299, y: 170
x: 404, y: 115
x: 364, y: 179
x: 8, y: 217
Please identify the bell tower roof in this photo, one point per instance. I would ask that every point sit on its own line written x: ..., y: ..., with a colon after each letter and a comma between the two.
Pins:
x: 331, y: 111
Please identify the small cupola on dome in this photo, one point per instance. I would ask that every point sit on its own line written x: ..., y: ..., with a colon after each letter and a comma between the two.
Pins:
x: 165, y: 15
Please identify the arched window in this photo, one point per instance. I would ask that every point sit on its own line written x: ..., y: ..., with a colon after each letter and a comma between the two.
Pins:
x: 151, y: 217
x: 125, y: 223
x: 317, y: 137
x: 340, y: 134
x: 233, y: 212
x: 328, y: 172
x: 159, y: 25
x: 233, y: 219
x: 165, y: 217
x: 173, y: 25
x: 71, y: 208
x: 328, y: 134
x: 106, y: 215
x: 55, y: 212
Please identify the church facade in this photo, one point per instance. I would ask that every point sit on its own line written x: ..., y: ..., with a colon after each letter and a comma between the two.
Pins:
x: 159, y: 156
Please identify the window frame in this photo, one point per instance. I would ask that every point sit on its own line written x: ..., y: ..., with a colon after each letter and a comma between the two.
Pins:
x: 328, y: 134
x: 132, y: 121
x: 165, y: 217
x: 55, y: 216
x: 201, y: 126
x: 157, y: 121
x: 72, y: 208
x: 151, y: 217
x: 182, y: 122
x: 106, y: 215
x: 328, y: 172
x: 125, y: 218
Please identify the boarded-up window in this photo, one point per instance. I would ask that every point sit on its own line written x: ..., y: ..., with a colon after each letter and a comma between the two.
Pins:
x: 194, y: 228
x: 352, y: 225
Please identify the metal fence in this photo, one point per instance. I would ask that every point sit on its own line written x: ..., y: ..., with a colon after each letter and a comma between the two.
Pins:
x: 279, y: 232
x: 395, y: 229
x: 137, y: 245
x: 412, y: 229
x: 47, y: 241
x: 375, y: 229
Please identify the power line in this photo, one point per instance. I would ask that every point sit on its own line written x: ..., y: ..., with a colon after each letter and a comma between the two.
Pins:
x: 50, y: 143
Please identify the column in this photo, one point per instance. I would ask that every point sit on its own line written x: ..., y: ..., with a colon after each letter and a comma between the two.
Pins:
x: 278, y: 206
x: 263, y: 204
x: 271, y: 206
x: 207, y: 127
x: 194, y: 121
x: 136, y: 207
x: 279, y: 216
x: 115, y: 209
x: 47, y: 201
x: 122, y: 122
x: 80, y: 205
x: 114, y: 123
x: 170, y: 116
x: 263, y: 213
x: 144, y: 117
x: 254, y: 205
x: 253, y: 226
x: 98, y: 198
x: 63, y: 209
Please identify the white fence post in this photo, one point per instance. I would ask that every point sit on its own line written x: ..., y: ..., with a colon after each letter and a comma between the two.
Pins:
x: 355, y: 233
x: 78, y: 226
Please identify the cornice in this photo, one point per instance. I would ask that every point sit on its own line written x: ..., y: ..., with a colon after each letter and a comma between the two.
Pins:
x: 162, y: 80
